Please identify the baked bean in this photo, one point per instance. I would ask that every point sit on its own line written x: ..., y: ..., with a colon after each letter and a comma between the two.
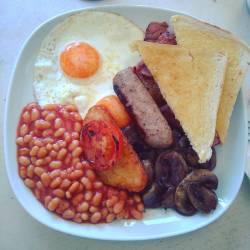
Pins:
x: 22, y: 172
x: 47, y: 159
x: 56, y: 182
x: 23, y: 151
x: 75, y: 135
x: 74, y: 186
x: 74, y: 144
x: 42, y: 124
x: 48, y: 132
x: 26, y: 117
x: 77, y: 218
x: 75, y: 161
x: 27, y: 138
x: 95, y: 217
x: 63, y: 174
x: 118, y: 207
x: 59, y: 132
x: 77, y: 152
x: 68, y: 195
x: 83, y: 207
x: 65, y: 184
x: 63, y: 205
x: 23, y: 130
x: 90, y: 174
x: 55, y: 173
x: 76, y: 174
x: 38, y: 171
x: 55, y: 164
x: 137, y: 198
x: 136, y: 214
x: 77, y: 117
x: 96, y: 200
x: 42, y: 152
x: 65, y: 114
x: 58, y: 123
x: 67, y: 137
x: 140, y: 207
x: 23, y: 160
x: 33, y: 160
x: 37, y: 194
x: 77, y: 127
x: 56, y: 147
x: 86, y: 183
x: 110, y: 218
x: 77, y: 199
x: 35, y: 114
x: 46, y: 179
x: 78, y: 166
x: 53, y: 154
x: 20, y: 141
x: 49, y: 146
x: 61, y: 154
x: 40, y: 162
x: 85, y: 216
x: 68, y: 214
x: 97, y: 184
x: 29, y: 183
x: 34, y: 151
x: 40, y: 186
x: 88, y: 195
x: 62, y: 144
x: 50, y: 107
x: 50, y: 117
x: 80, y: 188
x: 104, y: 212
x: 59, y: 193
x: 38, y: 142
x: 30, y: 171
x: 47, y: 199
x: 53, y: 204
x: 67, y: 160
x: 48, y: 140
x: 93, y: 209
x: 71, y: 108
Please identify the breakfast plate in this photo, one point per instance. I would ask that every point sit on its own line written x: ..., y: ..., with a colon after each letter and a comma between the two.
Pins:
x: 157, y: 223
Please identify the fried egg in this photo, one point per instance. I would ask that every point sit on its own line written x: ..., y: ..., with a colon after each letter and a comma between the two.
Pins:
x: 80, y: 56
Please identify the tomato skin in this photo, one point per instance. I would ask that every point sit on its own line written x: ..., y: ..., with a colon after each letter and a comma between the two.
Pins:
x: 102, y: 143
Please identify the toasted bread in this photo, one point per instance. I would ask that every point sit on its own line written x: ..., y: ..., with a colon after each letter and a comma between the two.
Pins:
x: 191, y: 82
x: 128, y: 172
x: 192, y: 33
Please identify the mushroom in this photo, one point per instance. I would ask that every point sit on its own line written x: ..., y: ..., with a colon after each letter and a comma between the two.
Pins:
x: 201, y: 198
x: 152, y: 198
x: 193, y: 160
x: 148, y: 166
x: 170, y: 168
x: 167, y: 199
x: 194, y: 192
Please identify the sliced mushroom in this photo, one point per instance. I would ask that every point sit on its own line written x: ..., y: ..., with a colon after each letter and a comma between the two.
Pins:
x: 170, y: 168
x: 182, y: 203
x: 204, y: 177
x: 167, y: 199
x: 201, y: 198
x: 152, y: 197
x: 193, y: 193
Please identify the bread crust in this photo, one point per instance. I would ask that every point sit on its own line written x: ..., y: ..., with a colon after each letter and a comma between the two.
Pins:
x: 191, y: 82
x: 192, y: 33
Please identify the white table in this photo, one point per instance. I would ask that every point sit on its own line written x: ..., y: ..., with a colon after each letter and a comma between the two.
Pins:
x: 17, y: 229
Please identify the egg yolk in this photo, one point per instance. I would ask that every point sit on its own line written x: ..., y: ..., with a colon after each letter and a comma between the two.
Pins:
x: 79, y: 60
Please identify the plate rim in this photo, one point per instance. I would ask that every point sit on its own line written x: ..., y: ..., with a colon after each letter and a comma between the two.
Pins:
x: 109, y: 8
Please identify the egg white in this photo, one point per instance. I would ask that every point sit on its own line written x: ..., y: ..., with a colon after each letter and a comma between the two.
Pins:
x: 110, y: 34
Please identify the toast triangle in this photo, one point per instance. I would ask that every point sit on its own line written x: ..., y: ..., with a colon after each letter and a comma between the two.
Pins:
x: 192, y: 33
x: 191, y: 82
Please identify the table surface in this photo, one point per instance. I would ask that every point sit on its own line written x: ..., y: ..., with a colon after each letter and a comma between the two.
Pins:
x: 17, y: 229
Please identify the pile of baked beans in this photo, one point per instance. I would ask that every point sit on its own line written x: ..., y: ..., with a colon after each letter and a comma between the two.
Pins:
x: 51, y: 164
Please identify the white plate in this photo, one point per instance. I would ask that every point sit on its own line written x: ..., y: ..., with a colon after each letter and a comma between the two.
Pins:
x: 156, y: 223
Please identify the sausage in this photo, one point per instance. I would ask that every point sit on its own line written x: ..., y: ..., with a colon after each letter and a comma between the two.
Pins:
x: 139, y: 103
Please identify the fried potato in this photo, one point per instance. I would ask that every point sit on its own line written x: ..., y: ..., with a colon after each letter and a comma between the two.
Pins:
x: 128, y: 172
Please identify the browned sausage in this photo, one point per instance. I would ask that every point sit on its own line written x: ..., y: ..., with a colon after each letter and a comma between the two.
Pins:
x: 139, y: 103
